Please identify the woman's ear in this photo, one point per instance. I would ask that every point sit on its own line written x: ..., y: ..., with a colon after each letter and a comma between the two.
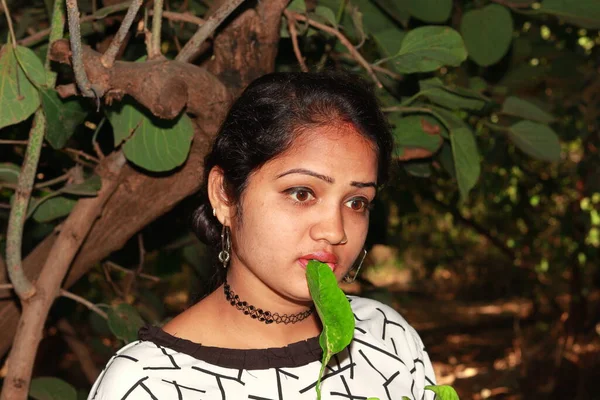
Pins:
x: 217, y: 195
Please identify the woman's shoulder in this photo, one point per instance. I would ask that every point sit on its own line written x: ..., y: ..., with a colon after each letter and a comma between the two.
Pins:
x: 380, y: 322
x: 126, y: 370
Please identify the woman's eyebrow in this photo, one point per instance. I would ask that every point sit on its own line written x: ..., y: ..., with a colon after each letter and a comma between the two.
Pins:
x: 304, y: 171
x: 363, y: 184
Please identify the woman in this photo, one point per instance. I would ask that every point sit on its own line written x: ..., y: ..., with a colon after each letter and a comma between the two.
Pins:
x: 290, y: 178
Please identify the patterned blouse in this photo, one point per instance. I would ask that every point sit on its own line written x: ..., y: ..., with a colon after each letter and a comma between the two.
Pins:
x: 386, y: 359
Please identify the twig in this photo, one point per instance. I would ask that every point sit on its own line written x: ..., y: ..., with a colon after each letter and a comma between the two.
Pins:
x: 212, y: 23
x: 91, y: 306
x: 128, y: 271
x: 95, y: 144
x: 81, y: 154
x: 182, y: 17
x: 114, y: 286
x: 54, y: 181
x: 10, y: 25
x: 512, y: 4
x: 377, y: 68
x: 291, y: 23
x: 66, y: 149
x: 75, y: 38
x: 142, y: 257
x: 100, y: 14
x: 156, y: 29
x: 357, y: 56
x: 108, y: 58
x: 80, y: 350
x: 18, y: 142
x: 6, y: 286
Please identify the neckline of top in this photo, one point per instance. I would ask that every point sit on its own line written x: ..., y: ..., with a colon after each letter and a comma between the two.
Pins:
x: 293, y: 355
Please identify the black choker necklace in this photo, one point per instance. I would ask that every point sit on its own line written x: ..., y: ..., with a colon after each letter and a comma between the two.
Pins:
x: 263, y: 316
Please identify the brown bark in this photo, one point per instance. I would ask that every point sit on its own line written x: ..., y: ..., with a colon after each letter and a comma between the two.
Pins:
x: 35, y: 308
x: 239, y: 62
x: 133, y: 205
x: 140, y: 198
x: 164, y: 87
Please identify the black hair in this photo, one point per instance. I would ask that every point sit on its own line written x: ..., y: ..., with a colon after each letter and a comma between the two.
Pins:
x: 263, y: 122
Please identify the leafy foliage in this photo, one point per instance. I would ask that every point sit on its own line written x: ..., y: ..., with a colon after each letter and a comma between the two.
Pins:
x: 124, y: 322
x: 48, y: 388
x: 153, y: 144
x: 21, y: 72
x: 493, y: 107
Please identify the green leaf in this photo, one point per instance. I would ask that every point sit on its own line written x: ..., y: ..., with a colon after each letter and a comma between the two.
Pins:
x: 152, y: 143
x: 124, y: 322
x: 464, y: 152
x: 62, y: 117
x: 51, y: 207
x: 430, y: 10
x: 419, y: 169
x: 398, y: 10
x: 374, y: 19
x: 389, y: 41
x: 522, y: 108
x: 326, y: 15
x: 333, y: 309
x: 89, y: 187
x: 487, y: 33
x: 9, y: 173
x: 47, y: 388
x: 584, y: 13
x: 535, y: 139
x: 443, y: 392
x: 447, y: 159
x: 19, y: 97
x: 416, y: 130
x: 452, y: 98
x: 298, y: 6
x: 428, y: 48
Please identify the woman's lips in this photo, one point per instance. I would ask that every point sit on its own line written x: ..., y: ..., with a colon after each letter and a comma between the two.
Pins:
x: 321, y: 256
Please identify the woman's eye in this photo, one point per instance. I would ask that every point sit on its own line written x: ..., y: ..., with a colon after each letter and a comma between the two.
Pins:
x: 301, y: 195
x: 358, y: 204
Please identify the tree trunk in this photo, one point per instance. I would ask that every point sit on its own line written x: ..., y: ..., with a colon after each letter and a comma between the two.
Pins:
x: 140, y: 199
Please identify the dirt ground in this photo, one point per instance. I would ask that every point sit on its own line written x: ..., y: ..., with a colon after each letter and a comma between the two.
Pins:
x: 493, y: 349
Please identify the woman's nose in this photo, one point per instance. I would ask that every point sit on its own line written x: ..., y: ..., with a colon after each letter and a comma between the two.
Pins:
x: 329, y: 227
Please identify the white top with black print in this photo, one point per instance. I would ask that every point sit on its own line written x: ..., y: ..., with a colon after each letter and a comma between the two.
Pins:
x: 386, y: 359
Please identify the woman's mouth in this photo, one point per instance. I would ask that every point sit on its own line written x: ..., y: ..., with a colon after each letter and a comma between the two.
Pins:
x: 321, y: 256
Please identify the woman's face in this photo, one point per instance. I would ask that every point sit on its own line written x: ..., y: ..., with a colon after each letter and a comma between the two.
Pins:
x: 311, y: 202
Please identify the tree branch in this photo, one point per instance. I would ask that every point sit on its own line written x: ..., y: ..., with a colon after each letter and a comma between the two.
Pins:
x: 357, y: 56
x: 100, y: 14
x: 212, y: 23
x: 294, y: 36
x: 10, y: 25
x: 110, y: 54
x: 164, y: 87
x: 91, y: 306
x: 35, y: 311
x: 75, y: 37
x: 156, y: 29
x: 18, y: 213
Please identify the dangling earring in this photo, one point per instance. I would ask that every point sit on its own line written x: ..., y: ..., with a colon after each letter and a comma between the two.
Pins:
x: 225, y: 253
x: 347, y: 278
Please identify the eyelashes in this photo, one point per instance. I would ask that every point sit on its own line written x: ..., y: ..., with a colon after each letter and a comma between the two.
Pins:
x: 303, y: 196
